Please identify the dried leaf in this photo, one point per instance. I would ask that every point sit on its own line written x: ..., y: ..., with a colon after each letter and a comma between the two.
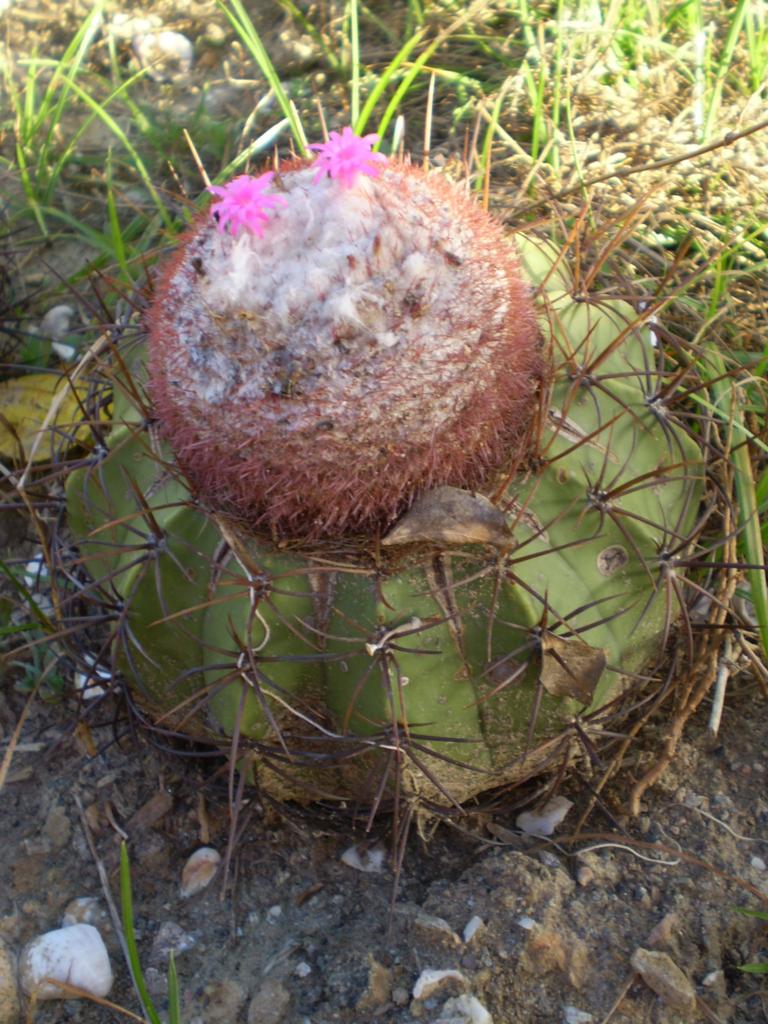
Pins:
x: 449, y: 516
x: 24, y: 405
x: 570, y: 667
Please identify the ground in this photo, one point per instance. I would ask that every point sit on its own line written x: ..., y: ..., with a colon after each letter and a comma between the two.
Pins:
x: 289, y: 932
x: 298, y: 935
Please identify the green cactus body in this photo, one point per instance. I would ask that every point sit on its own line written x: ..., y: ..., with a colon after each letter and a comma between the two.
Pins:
x: 460, y: 664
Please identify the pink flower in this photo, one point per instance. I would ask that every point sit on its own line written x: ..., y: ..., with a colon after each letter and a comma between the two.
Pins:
x: 346, y: 155
x: 244, y: 202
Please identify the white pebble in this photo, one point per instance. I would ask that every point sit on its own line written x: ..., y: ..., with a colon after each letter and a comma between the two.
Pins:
x: 430, y: 981
x: 86, y: 684
x: 76, y: 956
x: 713, y: 980
x: 199, y: 870
x: 572, y: 1015
x: 164, y: 54
x: 369, y: 860
x: 472, y: 927
x: 66, y: 353
x: 56, y: 322
x: 527, y: 922
x: 126, y: 26
x: 544, y: 821
x: 303, y: 970
x: 464, y: 1009
x: 274, y: 913
x: 35, y: 572
x: 758, y: 864
x: 549, y: 859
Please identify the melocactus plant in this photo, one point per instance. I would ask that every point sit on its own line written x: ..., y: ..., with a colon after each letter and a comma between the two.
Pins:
x: 339, y: 337
x: 385, y: 506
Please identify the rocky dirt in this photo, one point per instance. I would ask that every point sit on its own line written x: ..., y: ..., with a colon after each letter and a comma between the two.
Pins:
x: 298, y: 935
x: 527, y: 930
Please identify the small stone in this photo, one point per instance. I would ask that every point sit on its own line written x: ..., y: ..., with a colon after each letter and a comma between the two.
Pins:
x: 554, y: 951
x: 170, y: 938
x: 157, y: 982
x: 57, y: 828
x: 436, y: 928
x: 87, y: 686
x: 572, y: 1015
x: 64, y: 351
x: 527, y: 923
x: 199, y: 871
x: 11, y: 925
x: 663, y: 933
x: 35, y: 572
x: 758, y: 864
x: 9, y: 994
x: 474, y: 926
x: 126, y: 26
x: 714, y: 980
x: 274, y: 913
x: 544, y: 821
x: 400, y: 996
x: 270, y: 1004
x: 464, y: 1009
x: 431, y: 981
x: 56, y: 322
x: 166, y: 55
x: 213, y: 34
x: 379, y: 987
x: 85, y: 910
x: 585, y: 876
x: 224, y: 1001
x: 661, y: 973
x: 549, y: 859
x: 75, y: 956
x: 371, y: 861
x: 302, y: 969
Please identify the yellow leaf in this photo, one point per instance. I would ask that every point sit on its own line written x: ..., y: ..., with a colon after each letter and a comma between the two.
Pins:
x: 24, y: 405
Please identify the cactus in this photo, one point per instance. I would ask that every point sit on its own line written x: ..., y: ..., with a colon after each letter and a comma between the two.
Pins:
x: 425, y: 560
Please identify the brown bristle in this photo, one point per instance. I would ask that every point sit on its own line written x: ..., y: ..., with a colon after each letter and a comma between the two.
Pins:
x: 353, y: 426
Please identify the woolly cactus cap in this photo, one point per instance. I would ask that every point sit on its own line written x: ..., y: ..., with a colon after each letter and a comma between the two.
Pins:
x: 371, y: 337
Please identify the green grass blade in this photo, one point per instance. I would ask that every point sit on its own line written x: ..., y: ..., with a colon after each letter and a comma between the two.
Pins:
x: 22, y: 166
x: 415, y: 69
x: 27, y: 597
x: 394, y: 104
x: 354, y: 45
x: 129, y: 934
x: 174, y: 992
x: 384, y: 79
x: 723, y: 67
x: 242, y: 24
x: 68, y: 67
x: 118, y: 242
x: 263, y: 142
x: 97, y: 239
x: 311, y: 30
x: 136, y: 160
x: 490, y: 132
x: 727, y: 407
x: 119, y: 92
